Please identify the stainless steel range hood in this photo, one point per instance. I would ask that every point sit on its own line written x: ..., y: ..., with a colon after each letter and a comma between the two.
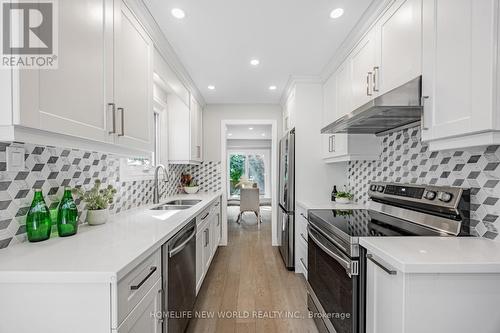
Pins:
x: 398, y: 108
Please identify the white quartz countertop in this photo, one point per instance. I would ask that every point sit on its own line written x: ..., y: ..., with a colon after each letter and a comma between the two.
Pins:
x: 436, y: 254
x: 328, y: 205
x: 102, y: 253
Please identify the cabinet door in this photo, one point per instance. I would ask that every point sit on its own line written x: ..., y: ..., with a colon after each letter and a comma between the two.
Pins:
x: 344, y: 89
x: 195, y: 113
x: 71, y: 99
x: 384, y: 300
x: 200, y: 266
x: 400, y: 56
x: 215, y: 225
x: 363, y: 60
x: 133, y: 83
x: 140, y: 319
x: 330, y: 101
x: 458, y: 67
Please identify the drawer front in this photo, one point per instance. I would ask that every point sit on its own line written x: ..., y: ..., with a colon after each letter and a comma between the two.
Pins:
x: 135, y: 285
x: 302, y: 256
x: 301, y: 225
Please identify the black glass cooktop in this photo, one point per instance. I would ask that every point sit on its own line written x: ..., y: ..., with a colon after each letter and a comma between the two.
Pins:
x: 363, y: 223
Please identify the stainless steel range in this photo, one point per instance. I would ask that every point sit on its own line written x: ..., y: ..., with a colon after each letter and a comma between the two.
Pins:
x: 337, y: 264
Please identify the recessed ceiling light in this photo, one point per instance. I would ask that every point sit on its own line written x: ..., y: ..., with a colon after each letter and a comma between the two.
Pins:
x: 230, y: 134
x: 250, y: 128
x: 178, y: 13
x: 263, y: 134
x: 336, y: 13
x: 254, y: 62
x: 211, y: 87
x: 272, y: 88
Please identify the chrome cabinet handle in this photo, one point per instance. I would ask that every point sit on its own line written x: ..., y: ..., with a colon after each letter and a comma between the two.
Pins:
x: 205, y: 216
x: 113, y: 114
x: 122, y: 130
x: 385, y: 269
x: 332, y: 138
x: 303, y: 263
x: 207, y: 239
x: 303, y: 237
x: 151, y: 272
x: 368, y: 76
x: 375, y: 78
x: 422, y: 102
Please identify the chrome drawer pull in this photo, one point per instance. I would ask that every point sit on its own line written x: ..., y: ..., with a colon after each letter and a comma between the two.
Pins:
x: 385, y: 269
x: 151, y: 272
x: 303, y: 237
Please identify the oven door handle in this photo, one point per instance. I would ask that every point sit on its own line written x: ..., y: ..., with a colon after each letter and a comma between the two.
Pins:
x: 344, y: 263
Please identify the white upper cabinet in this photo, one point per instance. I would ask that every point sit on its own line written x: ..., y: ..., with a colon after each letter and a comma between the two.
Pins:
x: 363, y: 62
x: 185, y: 131
x: 196, y: 130
x: 133, y: 83
x: 460, y: 73
x: 337, y: 102
x: 71, y: 99
x: 330, y: 100
x: 344, y: 94
x: 399, y: 52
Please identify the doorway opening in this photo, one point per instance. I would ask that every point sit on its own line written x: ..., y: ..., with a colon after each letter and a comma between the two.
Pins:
x: 249, y: 174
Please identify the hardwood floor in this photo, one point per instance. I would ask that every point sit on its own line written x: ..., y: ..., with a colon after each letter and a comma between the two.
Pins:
x: 249, y: 285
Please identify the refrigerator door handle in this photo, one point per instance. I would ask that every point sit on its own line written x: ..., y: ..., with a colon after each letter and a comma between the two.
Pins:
x: 284, y: 220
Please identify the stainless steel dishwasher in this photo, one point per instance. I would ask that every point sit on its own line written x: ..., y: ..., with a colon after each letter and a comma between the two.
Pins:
x: 179, y: 278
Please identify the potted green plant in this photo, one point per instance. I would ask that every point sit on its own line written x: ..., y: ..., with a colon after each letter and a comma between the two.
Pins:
x: 189, y: 184
x: 343, y: 197
x: 97, y: 201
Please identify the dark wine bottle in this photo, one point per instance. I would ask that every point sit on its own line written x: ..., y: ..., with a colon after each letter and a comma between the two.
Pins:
x: 334, y: 192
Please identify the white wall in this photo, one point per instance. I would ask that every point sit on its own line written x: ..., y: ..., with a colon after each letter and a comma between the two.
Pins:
x: 256, y: 144
x: 313, y: 178
x: 213, y: 114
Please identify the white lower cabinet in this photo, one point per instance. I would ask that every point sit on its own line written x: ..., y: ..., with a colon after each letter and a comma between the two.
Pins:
x: 399, y: 302
x: 142, y: 319
x: 301, y: 241
x: 208, y: 235
x: 384, y: 300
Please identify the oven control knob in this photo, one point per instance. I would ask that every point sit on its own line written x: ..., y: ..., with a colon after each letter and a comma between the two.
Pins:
x: 373, y: 188
x: 430, y: 195
x: 380, y: 188
x: 445, y: 196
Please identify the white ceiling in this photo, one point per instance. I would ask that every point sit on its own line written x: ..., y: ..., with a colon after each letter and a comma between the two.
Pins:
x: 243, y: 132
x: 218, y: 38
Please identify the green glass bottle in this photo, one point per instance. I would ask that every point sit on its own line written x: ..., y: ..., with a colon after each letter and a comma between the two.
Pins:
x: 67, y: 215
x: 38, y: 221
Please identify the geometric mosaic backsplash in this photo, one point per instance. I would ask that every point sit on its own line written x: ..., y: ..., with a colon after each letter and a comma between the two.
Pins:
x: 52, y: 168
x: 405, y: 159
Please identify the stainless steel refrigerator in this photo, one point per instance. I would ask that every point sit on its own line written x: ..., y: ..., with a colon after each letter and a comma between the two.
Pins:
x: 286, y: 210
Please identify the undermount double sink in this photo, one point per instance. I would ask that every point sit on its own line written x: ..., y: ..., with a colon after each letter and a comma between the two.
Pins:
x: 180, y: 204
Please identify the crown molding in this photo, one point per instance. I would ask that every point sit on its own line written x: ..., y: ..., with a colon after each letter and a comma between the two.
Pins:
x: 296, y: 79
x: 164, y: 47
x: 365, y: 23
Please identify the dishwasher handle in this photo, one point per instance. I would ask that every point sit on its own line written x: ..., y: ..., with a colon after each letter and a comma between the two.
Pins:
x: 179, y: 248
x: 151, y: 272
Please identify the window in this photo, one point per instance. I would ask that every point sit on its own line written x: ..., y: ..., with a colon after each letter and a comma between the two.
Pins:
x: 136, y: 168
x: 252, y: 164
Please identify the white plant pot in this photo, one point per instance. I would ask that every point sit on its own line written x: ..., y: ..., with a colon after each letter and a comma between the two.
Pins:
x: 97, y: 217
x: 342, y: 200
x: 192, y: 189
